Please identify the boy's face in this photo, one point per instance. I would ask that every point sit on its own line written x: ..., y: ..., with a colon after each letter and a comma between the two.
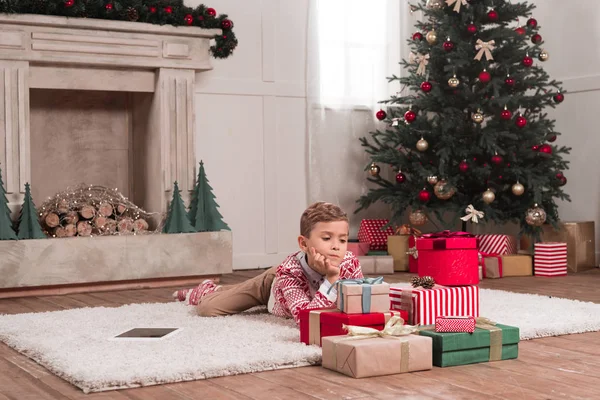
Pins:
x: 329, y: 239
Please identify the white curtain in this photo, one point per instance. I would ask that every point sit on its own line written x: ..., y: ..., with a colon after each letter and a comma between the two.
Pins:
x: 352, y: 47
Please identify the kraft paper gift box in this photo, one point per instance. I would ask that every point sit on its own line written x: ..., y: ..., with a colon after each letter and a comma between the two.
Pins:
x: 375, y: 265
x: 450, y: 258
x: 424, y: 305
x: 320, y: 323
x: 362, y: 296
x: 489, y: 342
x: 508, y: 265
x: 360, y: 357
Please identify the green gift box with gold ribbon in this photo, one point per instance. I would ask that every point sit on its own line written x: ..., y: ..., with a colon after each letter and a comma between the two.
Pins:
x: 489, y: 342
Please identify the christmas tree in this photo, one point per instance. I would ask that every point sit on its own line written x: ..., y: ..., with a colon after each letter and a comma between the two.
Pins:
x: 177, y: 220
x: 469, y: 134
x: 29, y: 226
x: 204, y: 213
x: 6, y: 229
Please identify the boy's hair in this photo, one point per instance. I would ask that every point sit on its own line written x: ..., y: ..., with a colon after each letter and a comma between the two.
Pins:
x: 320, y: 212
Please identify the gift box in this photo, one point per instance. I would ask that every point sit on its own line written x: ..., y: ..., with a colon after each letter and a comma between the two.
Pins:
x: 424, y: 305
x: 362, y: 296
x: 376, y: 265
x: 358, y: 248
x: 550, y: 259
x: 358, y: 357
x: 397, y: 247
x: 580, y: 238
x: 509, y: 265
x: 370, y: 231
x: 489, y: 342
x: 317, y: 324
x: 455, y: 324
x: 497, y: 244
x: 450, y: 258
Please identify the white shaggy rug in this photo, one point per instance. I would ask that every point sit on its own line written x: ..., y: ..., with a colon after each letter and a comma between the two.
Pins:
x: 74, y: 345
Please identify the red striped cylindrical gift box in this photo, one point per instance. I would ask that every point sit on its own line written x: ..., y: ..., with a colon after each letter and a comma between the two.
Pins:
x: 497, y: 244
x: 550, y: 259
x: 424, y: 305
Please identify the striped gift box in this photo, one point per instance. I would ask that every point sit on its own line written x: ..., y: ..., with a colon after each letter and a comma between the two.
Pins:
x: 497, y: 244
x: 425, y: 305
x: 550, y: 259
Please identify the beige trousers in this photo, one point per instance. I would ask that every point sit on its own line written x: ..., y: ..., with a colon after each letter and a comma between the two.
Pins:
x: 234, y: 299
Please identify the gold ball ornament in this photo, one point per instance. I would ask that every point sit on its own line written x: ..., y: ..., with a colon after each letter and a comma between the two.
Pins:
x: 544, y: 56
x: 432, y: 179
x: 453, y: 82
x: 444, y: 190
x: 535, y: 216
x: 518, y: 189
x: 488, y: 197
x: 374, y: 169
x: 477, y: 117
x: 417, y: 218
x: 422, y: 145
x: 435, y: 4
x: 431, y: 37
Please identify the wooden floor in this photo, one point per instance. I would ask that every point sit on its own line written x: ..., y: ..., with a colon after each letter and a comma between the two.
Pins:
x: 552, y: 368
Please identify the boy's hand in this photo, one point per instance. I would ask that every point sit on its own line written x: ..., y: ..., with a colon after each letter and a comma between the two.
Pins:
x: 322, y: 265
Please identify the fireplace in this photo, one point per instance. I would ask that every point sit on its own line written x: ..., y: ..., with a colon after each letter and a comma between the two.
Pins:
x: 107, y: 103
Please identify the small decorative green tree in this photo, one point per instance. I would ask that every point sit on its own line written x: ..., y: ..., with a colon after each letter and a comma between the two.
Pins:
x: 29, y: 225
x: 204, y: 213
x: 177, y: 219
x: 6, y: 229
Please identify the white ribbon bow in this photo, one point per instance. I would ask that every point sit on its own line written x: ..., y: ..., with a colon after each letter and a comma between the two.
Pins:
x: 394, y: 327
x: 472, y: 214
x: 421, y: 59
x: 484, y: 48
x: 457, y: 5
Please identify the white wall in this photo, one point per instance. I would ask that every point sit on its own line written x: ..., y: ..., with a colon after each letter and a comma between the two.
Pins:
x: 250, y: 120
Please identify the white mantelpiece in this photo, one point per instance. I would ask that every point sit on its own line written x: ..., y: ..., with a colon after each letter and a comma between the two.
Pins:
x: 45, y: 52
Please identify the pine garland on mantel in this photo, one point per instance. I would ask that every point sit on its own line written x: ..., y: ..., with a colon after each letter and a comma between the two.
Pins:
x: 160, y: 12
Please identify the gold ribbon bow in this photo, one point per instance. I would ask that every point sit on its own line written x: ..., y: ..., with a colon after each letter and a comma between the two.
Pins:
x: 421, y: 59
x: 472, y: 214
x: 457, y: 4
x: 484, y: 48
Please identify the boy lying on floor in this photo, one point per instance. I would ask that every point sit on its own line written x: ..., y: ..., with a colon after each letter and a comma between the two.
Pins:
x: 303, y: 281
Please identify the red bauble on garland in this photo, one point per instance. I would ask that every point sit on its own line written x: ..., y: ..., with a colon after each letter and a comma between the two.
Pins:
x: 527, y: 61
x: 559, y: 175
x: 226, y: 24
x: 484, y: 76
x: 520, y: 30
x: 188, y: 19
x: 211, y: 11
x: 152, y: 9
x: 168, y: 9
x: 497, y: 159
x: 506, y: 114
x: 535, y: 147
x: 380, y: 115
x: 69, y: 3
x: 563, y: 181
x: 417, y: 36
x: 537, y: 38
x: 521, y: 121
x: 424, y: 196
x: 472, y: 28
x: 509, y: 81
x: 492, y: 15
x: 552, y: 138
x: 426, y: 86
x: 448, y: 45
x: 410, y: 116
x: 559, y: 97
x: 400, y: 177
x: 546, y: 148
x: 463, y: 166
x: 532, y: 23
x: 108, y: 7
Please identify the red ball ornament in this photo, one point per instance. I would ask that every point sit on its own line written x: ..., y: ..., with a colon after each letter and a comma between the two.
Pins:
x: 400, y: 177
x: 497, y: 159
x: 426, y: 86
x: 226, y: 24
x: 417, y: 36
x: 563, y: 181
x: 535, y: 147
x: 509, y: 81
x: 546, y: 148
x: 448, y: 45
x: 410, y: 116
x: 188, y: 19
x: 109, y: 6
x: 532, y: 23
x: 552, y: 138
x: 559, y: 175
x: 484, y: 76
x: 559, y: 97
x: 527, y: 61
x: 424, y: 196
x: 211, y: 11
x: 537, y: 38
x: 472, y: 29
x: 168, y: 9
x: 520, y: 30
x: 463, y: 166
x: 380, y: 115
x: 521, y: 121
x: 506, y: 114
x: 69, y: 3
x: 493, y: 15
x: 152, y: 9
